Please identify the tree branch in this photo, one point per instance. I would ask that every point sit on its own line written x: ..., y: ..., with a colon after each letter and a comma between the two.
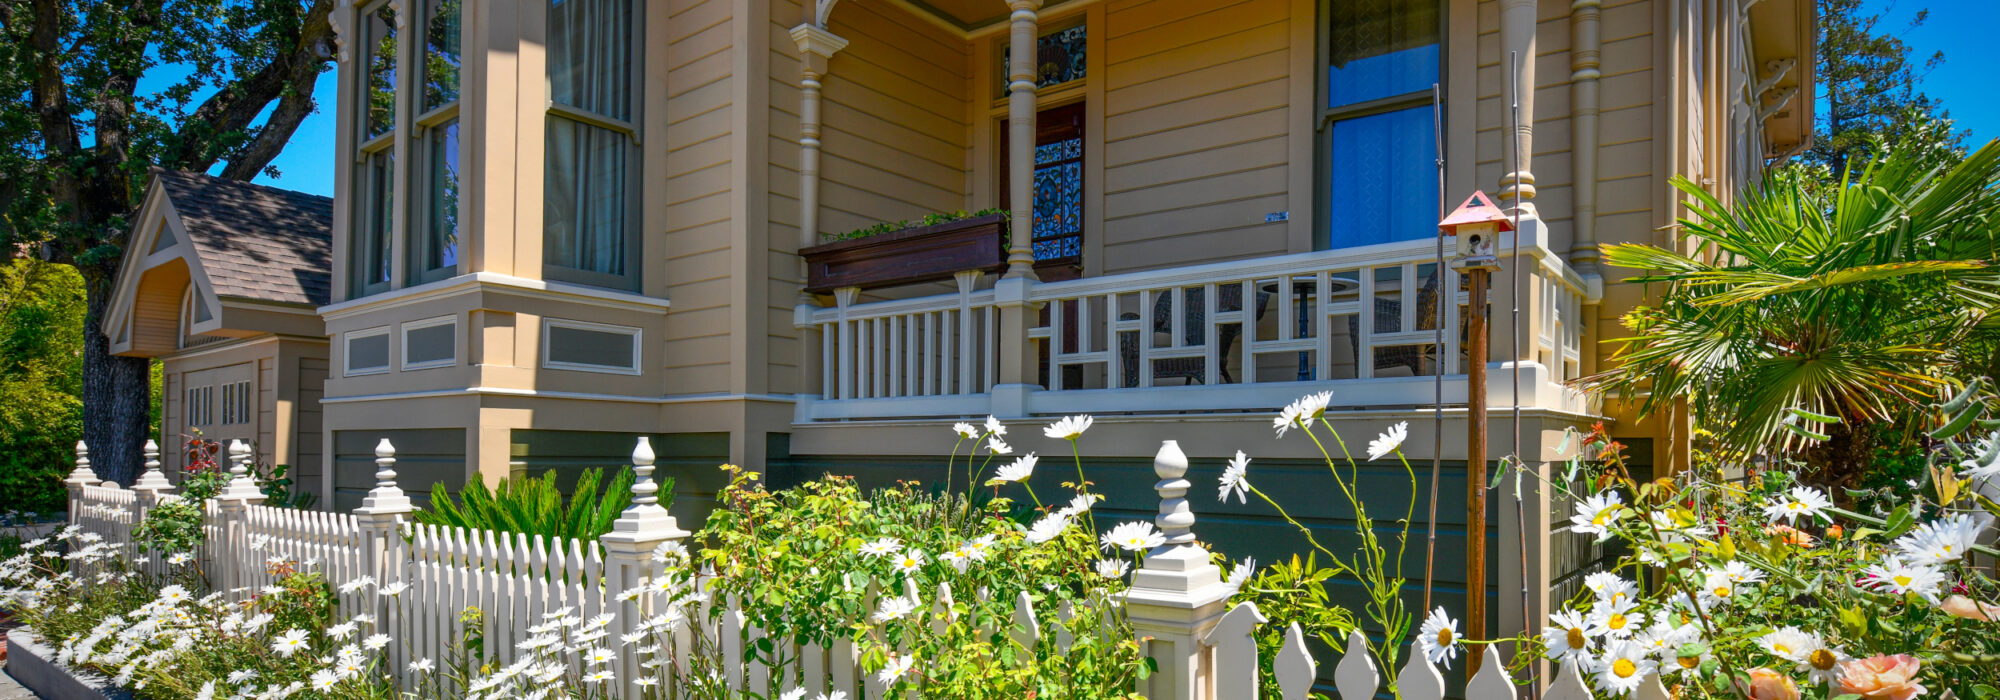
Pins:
x: 292, y: 109
x: 127, y: 61
x: 51, y: 96
x: 233, y: 109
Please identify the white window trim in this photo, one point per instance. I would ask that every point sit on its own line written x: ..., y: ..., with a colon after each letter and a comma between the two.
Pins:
x: 637, y: 335
x: 420, y: 324
x: 347, y: 339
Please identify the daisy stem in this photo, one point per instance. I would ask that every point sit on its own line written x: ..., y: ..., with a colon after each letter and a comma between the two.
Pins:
x: 1031, y: 494
x: 1082, y: 485
x: 1338, y: 564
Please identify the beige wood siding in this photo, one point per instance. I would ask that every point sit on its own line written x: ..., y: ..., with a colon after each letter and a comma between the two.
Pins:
x: 696, y: 261
x: 311, y: 455
x: 1195, y: 130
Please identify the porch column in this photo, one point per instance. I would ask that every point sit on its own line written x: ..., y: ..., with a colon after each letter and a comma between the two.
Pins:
x: 1585, y: 62
x: 1021, y: 138
x: 1517, y: 40
x: 816, y: 47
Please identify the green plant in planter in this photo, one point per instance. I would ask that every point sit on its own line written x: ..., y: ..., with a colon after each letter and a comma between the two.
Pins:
x: 535, y: 506
x: 931, y: 219
x: 175, y: 527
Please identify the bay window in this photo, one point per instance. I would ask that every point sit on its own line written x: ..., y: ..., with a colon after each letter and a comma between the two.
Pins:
x: 1378, y: 145
x: 590, y: 225
x: 375, y: 178
x: 433, y: 253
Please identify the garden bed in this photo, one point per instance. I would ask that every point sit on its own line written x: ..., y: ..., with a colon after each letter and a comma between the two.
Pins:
x: 32, y: 664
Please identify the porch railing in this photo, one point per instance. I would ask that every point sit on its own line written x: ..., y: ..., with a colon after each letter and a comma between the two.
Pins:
x: 1234, y: 335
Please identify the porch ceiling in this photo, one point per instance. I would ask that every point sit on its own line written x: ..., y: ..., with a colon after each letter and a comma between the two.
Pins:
x: 970, y: 15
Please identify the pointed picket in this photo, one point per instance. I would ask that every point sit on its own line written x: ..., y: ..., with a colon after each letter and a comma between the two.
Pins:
x: 1294, y: 668
x: 1026, y: 632
x: 1491, y: 682
x: 941, y: 613
x: 1652, y: 689
x: 1419, y: 679
x: 1066, y: 619
x: 1568, y: 685
x: 1236, y: 651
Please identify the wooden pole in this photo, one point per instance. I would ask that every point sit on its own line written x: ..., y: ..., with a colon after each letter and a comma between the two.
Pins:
x: 1475, y: 469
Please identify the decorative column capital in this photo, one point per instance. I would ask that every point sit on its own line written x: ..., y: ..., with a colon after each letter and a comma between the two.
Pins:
x: 386, y: 498
x: 644, y: 524
x: 817, y: 41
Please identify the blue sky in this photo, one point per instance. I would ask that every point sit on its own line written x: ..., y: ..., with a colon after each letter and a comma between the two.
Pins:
x: 1960, y: 29
x: 1956, y: 27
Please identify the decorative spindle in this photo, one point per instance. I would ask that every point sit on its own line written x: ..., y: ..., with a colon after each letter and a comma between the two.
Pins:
x: 644, y: 490
x: 1176, y: 520
x: 242, y: 482
x: 82, y: 474
x: 644, y: 520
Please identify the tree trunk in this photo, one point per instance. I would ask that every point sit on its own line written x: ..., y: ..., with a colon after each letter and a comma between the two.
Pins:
x: 117, y: 391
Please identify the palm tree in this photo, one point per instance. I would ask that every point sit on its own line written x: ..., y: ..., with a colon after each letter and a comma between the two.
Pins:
x: 1856, y: 301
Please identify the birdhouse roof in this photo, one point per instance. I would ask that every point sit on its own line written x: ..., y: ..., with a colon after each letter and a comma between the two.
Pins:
x: 1477, y: 209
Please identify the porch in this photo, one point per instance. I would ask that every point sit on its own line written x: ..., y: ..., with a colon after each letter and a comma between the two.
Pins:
x: 1244, y: 335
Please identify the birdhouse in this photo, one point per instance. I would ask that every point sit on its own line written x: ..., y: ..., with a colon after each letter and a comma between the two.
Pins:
x: 1475, y: 226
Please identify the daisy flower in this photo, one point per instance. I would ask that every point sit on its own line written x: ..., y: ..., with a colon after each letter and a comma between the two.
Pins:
x: 1079, y: 505
x: 1622, y: 667
x: 1902, y: 577
x: 1595, y: 515
x: 882, y: 547
x: 599, y: 655
x: 1112, y: 568
x: 997, y: 446
x: 1389, y: 440
x: 1019, y: 470
x: 1134, y: 536
x: 1611, y: 588
x: 1788, y: 643
x: 993, y: 426
x: 1717, y: 588
x: 289, y: 642
x: 324, y: 680
x: 375, y: 641
x: 1302, y: 412
x: 1241, y: 573
x: 965, y: 431
x: 1440, y: 637
x: 1236, y: 479
x: 1048, y: 528
x: 598, y: 677
x: 1068, y: 428
x: 1614, y: 620
x: 1568, y: 637
x: 959, y: 558
x: 1943, y: 541
x: 392, y: 590
x: 1809, y: 502
x: 897, y: 666
x: 909, y: 561
x: 423, y: 666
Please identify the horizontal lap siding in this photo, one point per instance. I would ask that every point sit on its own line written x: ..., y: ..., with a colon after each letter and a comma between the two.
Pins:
x: 1195, y: 130
x: 312, y: 387
x: 424, y: 458
x: 699, y: 135
x: 894, y: 142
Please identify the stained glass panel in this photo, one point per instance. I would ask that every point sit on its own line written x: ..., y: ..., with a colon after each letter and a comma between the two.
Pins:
x: 1059, y: 58
x: 1058, y: 230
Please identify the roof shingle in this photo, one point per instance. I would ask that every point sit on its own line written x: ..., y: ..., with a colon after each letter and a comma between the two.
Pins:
x: 256, y: 242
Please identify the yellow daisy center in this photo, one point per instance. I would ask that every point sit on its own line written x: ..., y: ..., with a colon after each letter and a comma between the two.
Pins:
x: 1822, y: 659
x: 1781, y: 649
x: 1903, y: 580
x: 1444, y: 637
x: 1721, y: 591
x: 1617, y: 621
x: 1624, y: 668
x: 1576, y: 638
x: 1688, y: 661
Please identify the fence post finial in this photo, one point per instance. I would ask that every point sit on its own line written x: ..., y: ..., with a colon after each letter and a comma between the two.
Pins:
x: 1177, y: 596
x: 628, y: 551
x: 82, y: 474
x: 386, y: 497
x: 152, y: 480
x: 645, y: 520
x: 242, y: 482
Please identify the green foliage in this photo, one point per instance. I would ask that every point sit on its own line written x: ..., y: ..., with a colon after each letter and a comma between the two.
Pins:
x: 535, y: 506
x: 1868, y: 92
x: 175, y: 527
x: 1854, y: 302
x: 932, y: 219
x: 1294, y: 591
x: 41, y: 346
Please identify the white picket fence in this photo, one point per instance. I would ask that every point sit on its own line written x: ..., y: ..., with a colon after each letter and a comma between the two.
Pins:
x: 1177, y: 604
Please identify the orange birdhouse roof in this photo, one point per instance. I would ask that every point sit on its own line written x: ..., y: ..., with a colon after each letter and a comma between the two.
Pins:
x: 1477, y: 209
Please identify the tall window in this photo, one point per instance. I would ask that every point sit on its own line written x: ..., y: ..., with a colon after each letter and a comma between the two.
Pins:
x: 434, y: 248
x: 1380, y: 170
x: 590, y: 225
x: 375, y: 178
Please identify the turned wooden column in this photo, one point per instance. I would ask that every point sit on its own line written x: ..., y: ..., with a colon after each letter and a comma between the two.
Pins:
x: 1021, y: 137
x: 1517, y: 43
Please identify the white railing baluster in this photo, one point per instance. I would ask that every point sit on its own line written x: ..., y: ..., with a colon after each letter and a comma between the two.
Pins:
x: 1211, y: 348
x: 1146, y: 325
x: 1056, y: 349
x: 1322, y: 325
x: 1364, y: 341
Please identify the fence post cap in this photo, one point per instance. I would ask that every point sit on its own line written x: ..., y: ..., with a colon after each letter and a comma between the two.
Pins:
x: 386, y: 498
x: 644, y: 524
x: 82, y: 474
x: 242, y: 486
x: 1178, y: 574
x: 152, y: 481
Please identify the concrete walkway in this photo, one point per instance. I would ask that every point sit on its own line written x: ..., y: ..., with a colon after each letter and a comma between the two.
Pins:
x: 9, y: 690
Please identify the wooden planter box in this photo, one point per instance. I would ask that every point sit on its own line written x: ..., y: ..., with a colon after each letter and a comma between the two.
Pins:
x: 919, y: 254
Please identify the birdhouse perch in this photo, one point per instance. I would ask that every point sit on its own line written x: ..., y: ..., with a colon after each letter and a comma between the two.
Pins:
x: 1476, y: 226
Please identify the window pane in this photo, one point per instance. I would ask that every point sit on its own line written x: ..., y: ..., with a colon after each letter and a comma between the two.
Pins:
x: 381, y: 47
x: 590, y: 55
x: 584, y: 221
x: 441, y: 52
x: 378, y: 190
x: 1379, y: 48
x: 440, y: 249
x: 1383, y: 185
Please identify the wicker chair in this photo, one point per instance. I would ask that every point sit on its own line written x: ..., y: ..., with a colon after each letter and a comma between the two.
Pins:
x: 1194, y: 327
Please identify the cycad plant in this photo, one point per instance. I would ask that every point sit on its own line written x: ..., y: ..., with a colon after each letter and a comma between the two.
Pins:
x: 1799, y: 305
x: 535, y: 506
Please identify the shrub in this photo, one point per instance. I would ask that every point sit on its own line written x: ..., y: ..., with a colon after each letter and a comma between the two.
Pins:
x: 535, y: 506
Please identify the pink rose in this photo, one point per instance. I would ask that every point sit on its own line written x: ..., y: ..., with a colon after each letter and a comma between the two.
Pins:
x: 1766, y: 684
x: 1970, y: 609
x: 1882, y: 677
